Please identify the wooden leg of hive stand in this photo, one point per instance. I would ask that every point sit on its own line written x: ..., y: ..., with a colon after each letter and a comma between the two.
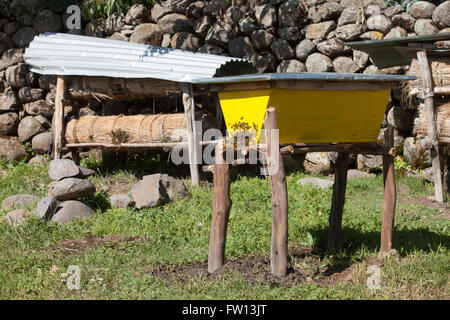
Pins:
x: 189, y: 110
x: 338, y: 201
x: 390, y: 195
x: 220, y: 212
x: 58, y: 126
x: 279, y: 242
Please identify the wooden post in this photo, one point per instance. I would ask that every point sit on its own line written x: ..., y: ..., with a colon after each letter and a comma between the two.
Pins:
x: 428, y: 91
x: 221, y: 210
x: 390, y: 194
x: 279, y: 242
x: 189, y: 110
x: 58, y: 126
x: 338, y: 201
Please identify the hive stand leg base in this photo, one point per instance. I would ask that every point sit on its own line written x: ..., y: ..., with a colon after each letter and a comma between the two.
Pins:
x: 279, y: 241
x: 338, y: 201
x: 220, y: 213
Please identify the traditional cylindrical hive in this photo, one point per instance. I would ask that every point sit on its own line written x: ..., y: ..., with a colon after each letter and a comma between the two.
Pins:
x: 138, y: 129
x: 440, y: 71
x: 442, y: 111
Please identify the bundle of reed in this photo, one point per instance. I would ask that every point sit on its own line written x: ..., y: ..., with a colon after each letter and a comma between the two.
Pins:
x: 442, y: 111
x: 109, y: 89
x: 440, y: 69
x: 130, y: 130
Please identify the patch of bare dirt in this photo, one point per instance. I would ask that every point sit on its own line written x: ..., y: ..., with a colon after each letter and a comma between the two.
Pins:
x: 76, y: 246
x: 304, y: 266
x: 442, y: 207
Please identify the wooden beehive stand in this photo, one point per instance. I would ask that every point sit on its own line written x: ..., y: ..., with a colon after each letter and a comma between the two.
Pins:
x: 86, y: 88
x: 279, y: 241
x: 435, y: 82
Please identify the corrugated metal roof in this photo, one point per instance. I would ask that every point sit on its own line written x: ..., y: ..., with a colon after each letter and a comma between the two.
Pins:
x: 311, y: 76
x: 398, y: 51
x: 67, y: 54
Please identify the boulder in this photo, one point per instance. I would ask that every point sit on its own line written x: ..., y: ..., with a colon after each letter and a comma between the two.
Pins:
x: 28, y: 128
x: 317, y: 163
x: 318, y: 62
x: 148, y: 33
x: 8, y: 123
x: 9, y: 101
x: 351, y: 15
x: 186, y: 41
x: 195, y: 10
x: 203, y: 24
x: 62, y: 168
x: 174, y: 22
x: 361, y: 58
x: 5, y: 42
x: 372, y: 10
x: 16, y: 218
x: 38, y: 161
x: 345, y: 65
x: 379, y: 23
x: 425, y: 27
x: 41, y: 143
x: 290, y: 34
x: 220, y: 34
x: 40, y: 107
x: 149, y: 192
x: 27, y: 94
x: 23, y: 37
x: 415, y: 154
x: 422, y: 9
x: 266, y: 15
x: 114, y: 23
x: 316, y: 182
x: 11, y: 57
x: 289, y: 13
x: 234, y: 14
x: 11, y: 150
x: 371, y: 35
x: 122, y: 200
x: 47, y: 21
x: 16, y: 75
x: 240, y: 47
x: 248, y: 25
x: 304, y: 49
x: 333, y: 47
x: 404, y: 20
x: 349, y: 32
x: 175, y: 188
x: 71, y: 210
x: 319, y: 30
x: 43, y: 120
x: 71, y: 188
x: 261, y: 39
x: 282, y: 50
x: 393, y: 10
x: 291, y: 66
x: 369, y: 162
x: 158, y: 11
x: 396, y: 32
x: 357, y: 174
x: 400, y: 118
x: 46, y: 207
x: 441, y: 15
x: 139, y: 14
x: 329, y: 10
x: 19, y: 201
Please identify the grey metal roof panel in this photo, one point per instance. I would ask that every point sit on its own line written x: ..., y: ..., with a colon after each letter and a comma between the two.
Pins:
x: 307, y: 76
x: 73, y: 55
x: 396, y: 52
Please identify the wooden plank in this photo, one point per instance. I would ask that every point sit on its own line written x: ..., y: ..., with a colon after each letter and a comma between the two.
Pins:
x: 338, y: 201
x: 58, y: 126
x: 427, y: 84
x: 221, y: 210
x: 279, y: 241
x: 390, y: 194
x: 189, y: 110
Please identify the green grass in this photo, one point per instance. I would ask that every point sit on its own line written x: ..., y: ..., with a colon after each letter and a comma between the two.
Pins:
x: 178, y: 234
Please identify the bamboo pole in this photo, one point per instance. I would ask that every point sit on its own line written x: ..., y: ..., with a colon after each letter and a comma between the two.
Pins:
x: 279, y: 241
x: 338, y: 201
x: 390, y: 194
x: 58, y: 127
x: 427, y: 84
x: 221, y: 210
x: 189, y: 110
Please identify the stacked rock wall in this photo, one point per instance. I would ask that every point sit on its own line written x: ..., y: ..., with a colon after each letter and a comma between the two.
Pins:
x: 276, y: 35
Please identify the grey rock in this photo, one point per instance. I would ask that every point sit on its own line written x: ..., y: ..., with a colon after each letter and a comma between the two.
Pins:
x: 47, y: 21
x: 371, y: 35
x: 289, y: 13
x: 425, y: 27
x: 195, y: 9
x: 16, y: 218
x: 361, y: 58
x: 27, y: 94
x: 165, y: 40
x: 319, y: 30
x: 41, y: 143
x: 95, y: 28
x: 203, y: 24
x: 179, y: 5
x: 11, y: 57
x: 282, y: 50
x: 158, y: 11
x: 71, y: 210
x: 8, y: 123
x: 265, y: 62
x: 261, y: 39
x: 234, y: 14
x: 349, y: 32
x: 393, y: 10
x: 316, y: 182
x: 220, y: 34
x: 16, y: 75
x: 38, y: 161
x: 404, y: 20
x: 345, y: 65
x: 379, y: 23
x: 357, y: 174
x: 326, y: 11
x: 373, y: 10
x: 18, y: 201
x: 291, y: 66
x: 396, y: 32
x: 114, y: 23
x: 369, y: 162
x: 173, y: 22
x: 216, y: 6
x: 46, y: 207
x: 174, y: 188
x: 9, y: 101
x: 71, y: 188
x: 62, y: 168
x: 186, y: 41
x: 86, y: 172
x: 122, y: 200
x: 40, y: 107
x: 240, y: 47
x: 119, y: 36
x: 28, y: 128
x: 422, y: 9
x: 43, y: 120
x: 304, y: 49
x: 318, y: 62
x: 247, y: 26
x: 47, y: 82
x: 351, y: 15
x: 333, y: 47
x: 441, y: 15
x: 11, y: 150
x: 415, y: 154
x: 138, y: 14
x: 148, y: 33
x: 211, y: 49
x: 5, y: 42
x: 290, y: 34
x: 266, y: 15
x: 149, y: 192
x: 317, y: 163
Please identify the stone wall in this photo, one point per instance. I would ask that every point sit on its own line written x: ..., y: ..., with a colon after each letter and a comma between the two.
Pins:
x: 276, y: 35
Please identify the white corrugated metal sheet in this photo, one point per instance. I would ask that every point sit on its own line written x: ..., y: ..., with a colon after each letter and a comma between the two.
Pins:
x: 67, y: 54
